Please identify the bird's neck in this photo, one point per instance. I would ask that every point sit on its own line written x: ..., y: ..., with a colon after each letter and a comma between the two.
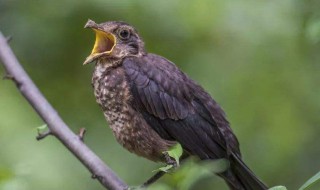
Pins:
x: 108, y: 63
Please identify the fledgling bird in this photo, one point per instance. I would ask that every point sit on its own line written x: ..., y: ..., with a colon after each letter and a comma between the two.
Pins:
x: 151, y: 105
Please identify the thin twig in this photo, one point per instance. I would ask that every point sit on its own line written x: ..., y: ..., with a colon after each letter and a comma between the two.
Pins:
x: 7, y: 77
x: 8, y: 38
x: 43, y: 135
x: 55, y: 124
x: 153, y: 179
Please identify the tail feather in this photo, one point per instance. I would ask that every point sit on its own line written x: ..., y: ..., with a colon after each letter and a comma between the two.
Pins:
x: 240, y: 177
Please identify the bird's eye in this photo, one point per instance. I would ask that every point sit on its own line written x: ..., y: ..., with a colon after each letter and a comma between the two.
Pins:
x: 124, y: 34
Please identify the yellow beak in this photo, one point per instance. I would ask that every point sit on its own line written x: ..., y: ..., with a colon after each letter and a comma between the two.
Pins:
x: 103, y: 45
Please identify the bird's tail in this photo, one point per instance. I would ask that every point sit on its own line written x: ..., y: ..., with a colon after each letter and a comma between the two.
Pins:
x: 240, y: 177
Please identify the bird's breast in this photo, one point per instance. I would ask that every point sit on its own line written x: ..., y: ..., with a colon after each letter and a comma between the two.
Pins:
x: 112, y: 92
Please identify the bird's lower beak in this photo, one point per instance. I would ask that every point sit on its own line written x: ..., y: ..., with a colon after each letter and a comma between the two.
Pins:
x: 103, y: 45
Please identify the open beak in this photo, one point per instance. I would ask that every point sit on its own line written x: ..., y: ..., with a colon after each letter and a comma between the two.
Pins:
x: 103, y: 45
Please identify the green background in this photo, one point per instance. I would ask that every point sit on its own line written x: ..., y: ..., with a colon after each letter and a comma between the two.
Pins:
x: 259, y: 59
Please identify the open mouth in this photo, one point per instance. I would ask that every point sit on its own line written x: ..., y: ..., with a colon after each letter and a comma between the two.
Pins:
x: 103, y: 45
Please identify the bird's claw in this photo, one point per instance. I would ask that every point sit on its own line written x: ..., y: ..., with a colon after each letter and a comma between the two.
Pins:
x: 170, y: 161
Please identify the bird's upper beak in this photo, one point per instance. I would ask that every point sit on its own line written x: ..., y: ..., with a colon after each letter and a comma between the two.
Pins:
x: 104, y: 44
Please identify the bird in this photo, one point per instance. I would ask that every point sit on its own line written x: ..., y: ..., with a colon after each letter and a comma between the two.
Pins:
x: 151, y: 105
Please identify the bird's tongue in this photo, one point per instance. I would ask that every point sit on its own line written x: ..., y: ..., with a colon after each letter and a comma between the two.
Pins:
x: 104, y: 42
x: 103, y: 45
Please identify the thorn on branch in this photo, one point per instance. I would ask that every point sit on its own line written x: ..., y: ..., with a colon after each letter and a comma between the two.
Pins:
x: 8, y: 38
x: 82, y: 133
x: 8, y: 77
x: 43, y: 135
x: 94, y: 176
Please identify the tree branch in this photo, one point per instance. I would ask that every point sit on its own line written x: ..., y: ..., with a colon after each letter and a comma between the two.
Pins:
x: 55, y: 124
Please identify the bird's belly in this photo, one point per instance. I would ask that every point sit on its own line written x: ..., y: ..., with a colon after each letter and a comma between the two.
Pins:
x: 133, y: 133
x: 130, y: 129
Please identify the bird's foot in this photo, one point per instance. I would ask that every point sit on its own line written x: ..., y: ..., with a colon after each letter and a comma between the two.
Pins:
x: 171, y: 163
x: 172, y: 156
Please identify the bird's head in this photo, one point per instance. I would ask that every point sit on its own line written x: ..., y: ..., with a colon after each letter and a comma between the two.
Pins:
x: 114, y: 40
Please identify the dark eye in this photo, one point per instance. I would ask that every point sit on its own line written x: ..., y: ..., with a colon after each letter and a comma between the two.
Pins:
x: 124, y: 34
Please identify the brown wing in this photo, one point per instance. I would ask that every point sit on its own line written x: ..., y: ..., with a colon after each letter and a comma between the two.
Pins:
x: 177, y: 108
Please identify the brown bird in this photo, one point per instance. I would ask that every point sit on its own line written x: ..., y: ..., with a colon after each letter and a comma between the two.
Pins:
x: 151, y: 105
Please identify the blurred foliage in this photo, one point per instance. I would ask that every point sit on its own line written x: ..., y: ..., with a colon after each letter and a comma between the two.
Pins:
x: 311, y: 181
x: 278, y: 188
x: 259, y: 59
x: 191, y: 173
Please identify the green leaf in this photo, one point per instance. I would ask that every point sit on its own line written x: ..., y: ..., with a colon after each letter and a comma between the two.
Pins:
x: 175, y: 152
x: 311, y: 181
x: 5, y: 174
x: 313, y: 30
x: 166, y: 168
x: 42, y: 127
x: 135, y: 188
x: 216, y: 166
x: 278, y: 188
x: 193, y: 170
x: 159, y: 186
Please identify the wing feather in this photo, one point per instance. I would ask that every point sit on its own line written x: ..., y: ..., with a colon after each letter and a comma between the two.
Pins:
x: 177, y: 108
